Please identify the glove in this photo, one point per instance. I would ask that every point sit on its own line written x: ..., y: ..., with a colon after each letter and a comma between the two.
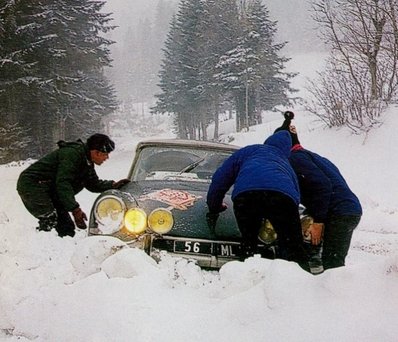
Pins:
x: 211, y: 219
x: 79, y: 217
x: 120, y: 183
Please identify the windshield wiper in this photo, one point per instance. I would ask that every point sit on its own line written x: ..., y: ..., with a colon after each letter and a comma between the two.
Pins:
x: 191, y: 166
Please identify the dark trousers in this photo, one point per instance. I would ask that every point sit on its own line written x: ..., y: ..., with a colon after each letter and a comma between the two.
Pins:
x: 337, y: 240
x: 252, y: 207
x: 41, y: 201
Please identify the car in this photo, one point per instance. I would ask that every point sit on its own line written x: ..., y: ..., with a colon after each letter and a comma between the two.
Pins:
x: 164, y: 207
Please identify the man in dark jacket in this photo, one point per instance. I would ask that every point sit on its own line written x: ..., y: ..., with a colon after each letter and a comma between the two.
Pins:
x: 335, y: 209
x: 265, y: 187
x: 48, y: 186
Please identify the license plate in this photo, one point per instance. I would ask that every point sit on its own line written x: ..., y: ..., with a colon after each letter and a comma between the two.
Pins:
x: 209, y: 248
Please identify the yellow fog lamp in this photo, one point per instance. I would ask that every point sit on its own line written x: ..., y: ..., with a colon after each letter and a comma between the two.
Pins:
x: 135, y: 220
x: 161, y: 220
x: 109, y: 211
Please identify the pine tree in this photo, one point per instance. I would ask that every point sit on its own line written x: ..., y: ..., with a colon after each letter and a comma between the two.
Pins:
x: 83, y: 93
x: 218, y: 35
x: 216, y: 52
x: 51, y: 78
x: 253, y: 70
x: 13, y: 140
x: 199, y: 35
x: 273, y: 86
x: 179, y: 81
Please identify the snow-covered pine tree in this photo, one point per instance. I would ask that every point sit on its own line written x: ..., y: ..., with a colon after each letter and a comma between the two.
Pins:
x: 217, y: 53
x: 253, y: 71
x: 51, y: 70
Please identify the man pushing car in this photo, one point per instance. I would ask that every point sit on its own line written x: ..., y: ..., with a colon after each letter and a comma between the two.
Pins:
x: 48, y: 186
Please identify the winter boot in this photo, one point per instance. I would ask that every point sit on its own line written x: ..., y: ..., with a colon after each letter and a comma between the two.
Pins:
x: 47, y: 221
x: 315, y: 258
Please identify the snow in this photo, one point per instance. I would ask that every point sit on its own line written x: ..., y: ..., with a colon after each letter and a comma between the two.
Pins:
x: 96, y: 289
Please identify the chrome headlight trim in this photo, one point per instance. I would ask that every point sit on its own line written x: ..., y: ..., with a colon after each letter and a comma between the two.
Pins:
x: 160, y: 220
x: 109, y: 212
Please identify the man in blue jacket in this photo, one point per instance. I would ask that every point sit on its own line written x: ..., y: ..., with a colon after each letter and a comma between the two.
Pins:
x: 335, y: 209
x: 265, y: 187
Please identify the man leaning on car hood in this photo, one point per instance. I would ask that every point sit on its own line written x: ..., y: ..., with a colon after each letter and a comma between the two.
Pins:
x: 48, y: 186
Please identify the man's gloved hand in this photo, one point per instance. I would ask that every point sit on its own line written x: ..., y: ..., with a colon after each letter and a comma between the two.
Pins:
x: 79, y: 217
x: 211, y: 217
x: 120, y: 183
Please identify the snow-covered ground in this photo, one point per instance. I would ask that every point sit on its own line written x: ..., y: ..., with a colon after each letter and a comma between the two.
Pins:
x: 87, y: 289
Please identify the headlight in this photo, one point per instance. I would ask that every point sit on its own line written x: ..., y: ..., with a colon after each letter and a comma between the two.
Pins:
x: 160, y: 220
x: 267, y: 233
x: 109, y: 212
x: 135, y: 220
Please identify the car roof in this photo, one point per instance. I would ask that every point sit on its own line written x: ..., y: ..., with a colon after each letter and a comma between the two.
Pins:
x: 187, y: 143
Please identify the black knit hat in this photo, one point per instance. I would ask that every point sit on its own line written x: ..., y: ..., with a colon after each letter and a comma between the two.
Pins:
x: 100, y: 142
x: 289, y: 116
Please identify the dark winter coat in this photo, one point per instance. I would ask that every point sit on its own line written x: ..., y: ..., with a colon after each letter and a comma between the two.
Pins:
x: 65, y: 171
x: 324, y: 191
x: 256, y: 167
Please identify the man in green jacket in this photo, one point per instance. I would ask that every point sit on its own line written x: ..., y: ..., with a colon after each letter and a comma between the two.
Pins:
x: 48, y: 186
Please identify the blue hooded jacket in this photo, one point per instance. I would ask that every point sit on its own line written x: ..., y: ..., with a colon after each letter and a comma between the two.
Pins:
x: 256, y: 167
x: 324, y: 191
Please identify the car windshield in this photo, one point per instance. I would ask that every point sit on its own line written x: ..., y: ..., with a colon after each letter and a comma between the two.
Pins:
x: 176, y: 163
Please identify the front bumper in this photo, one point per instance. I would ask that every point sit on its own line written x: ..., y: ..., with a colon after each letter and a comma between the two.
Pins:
x: 205, y: 253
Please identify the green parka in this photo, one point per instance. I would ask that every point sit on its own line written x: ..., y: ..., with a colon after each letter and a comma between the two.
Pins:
x: 66, y: 171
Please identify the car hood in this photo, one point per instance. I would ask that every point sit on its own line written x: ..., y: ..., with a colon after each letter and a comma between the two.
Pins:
x: 187, y: 202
